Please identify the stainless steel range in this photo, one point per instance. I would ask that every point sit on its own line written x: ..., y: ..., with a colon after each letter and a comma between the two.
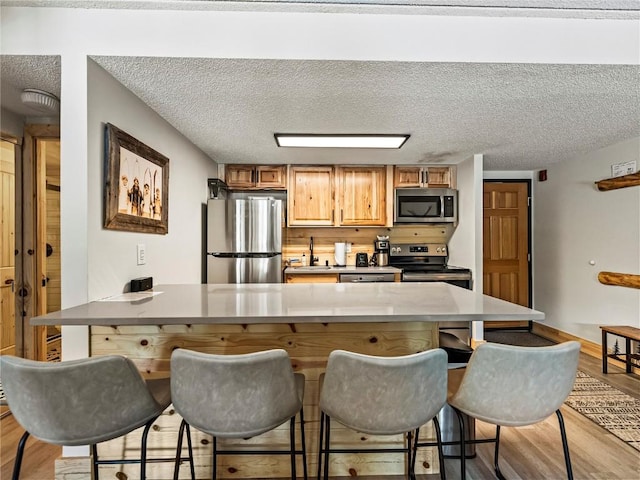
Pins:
x: 427, y: 262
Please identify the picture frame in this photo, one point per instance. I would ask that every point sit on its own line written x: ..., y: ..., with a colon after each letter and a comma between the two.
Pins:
x: 136, y: 197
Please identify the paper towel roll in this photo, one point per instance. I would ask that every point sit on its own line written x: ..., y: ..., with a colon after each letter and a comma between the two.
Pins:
x: 340, y: 254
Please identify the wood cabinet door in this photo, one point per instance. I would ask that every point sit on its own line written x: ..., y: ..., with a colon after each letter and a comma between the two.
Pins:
x: 506, y: 244
x: 438, y: 177
x: 407, y: 177
x: 240, y: 176
x: 311, y: 278
x: 274, y: 177
x: 363, y: 196
x: 311, y: 196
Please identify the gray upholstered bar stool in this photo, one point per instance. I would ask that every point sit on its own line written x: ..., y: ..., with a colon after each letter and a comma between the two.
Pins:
x: 239, y: 397
x: 513, y: 386
x: 82, y: 402
x: 382, y: 396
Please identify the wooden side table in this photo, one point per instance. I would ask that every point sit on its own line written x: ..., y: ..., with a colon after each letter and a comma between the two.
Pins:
x: 626, y: 332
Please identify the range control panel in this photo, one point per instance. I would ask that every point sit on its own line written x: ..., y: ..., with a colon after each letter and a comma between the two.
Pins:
x: 418, y: 249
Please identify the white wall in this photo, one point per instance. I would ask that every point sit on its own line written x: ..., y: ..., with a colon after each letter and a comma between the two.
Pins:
x: 465, y: 245
x: 172, y: 258
x: 574, y: 224
x: 11, y: 123
x: 465, y: 248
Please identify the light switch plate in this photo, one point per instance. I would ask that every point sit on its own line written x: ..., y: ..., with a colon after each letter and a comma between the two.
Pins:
x: 141, y: 250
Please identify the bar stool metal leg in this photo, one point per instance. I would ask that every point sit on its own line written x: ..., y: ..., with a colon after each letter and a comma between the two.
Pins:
x: 565, y: 445
x: 292, y: 442
x: 320, y: 440
x: 436, y: 426
x: 327, y: 428
x: 20, y: 452
x: 496, y: 466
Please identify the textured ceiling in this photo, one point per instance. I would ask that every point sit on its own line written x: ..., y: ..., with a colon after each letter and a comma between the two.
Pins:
x: 18, y: 72
x: 518, y: 116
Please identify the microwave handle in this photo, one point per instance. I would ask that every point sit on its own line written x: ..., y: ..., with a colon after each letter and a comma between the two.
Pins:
x: 442, y: 206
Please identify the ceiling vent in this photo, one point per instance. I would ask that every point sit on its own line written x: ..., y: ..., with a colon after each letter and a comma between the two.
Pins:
x: 43, y: 102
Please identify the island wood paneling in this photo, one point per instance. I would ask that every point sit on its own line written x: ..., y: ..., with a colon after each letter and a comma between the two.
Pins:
x: 308, y: 345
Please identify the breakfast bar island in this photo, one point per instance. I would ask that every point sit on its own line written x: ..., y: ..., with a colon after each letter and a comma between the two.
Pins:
x: 306, y: 320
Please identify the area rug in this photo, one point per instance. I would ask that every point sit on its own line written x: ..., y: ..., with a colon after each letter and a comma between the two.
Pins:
x: 607, y: 406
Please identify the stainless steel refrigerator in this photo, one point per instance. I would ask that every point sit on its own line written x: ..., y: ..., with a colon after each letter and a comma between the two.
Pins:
x: 244, y: 240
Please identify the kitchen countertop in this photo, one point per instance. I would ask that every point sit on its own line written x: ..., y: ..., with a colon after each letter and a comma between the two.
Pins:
x: 321, y: 269
x: 291, y: 303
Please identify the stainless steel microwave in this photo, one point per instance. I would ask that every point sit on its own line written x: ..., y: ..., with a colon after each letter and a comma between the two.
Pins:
x: 425, y: 205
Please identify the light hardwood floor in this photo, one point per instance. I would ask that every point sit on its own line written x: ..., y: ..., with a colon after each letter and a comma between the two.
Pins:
x: 528, y: 453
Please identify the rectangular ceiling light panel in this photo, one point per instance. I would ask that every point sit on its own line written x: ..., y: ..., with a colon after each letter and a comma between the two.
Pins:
x: 340, y: 140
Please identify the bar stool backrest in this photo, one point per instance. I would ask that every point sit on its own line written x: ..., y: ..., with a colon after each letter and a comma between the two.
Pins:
x: 77, y: 402
x: 514, y: 386
x: 234, y: 396
x: 384, y: 395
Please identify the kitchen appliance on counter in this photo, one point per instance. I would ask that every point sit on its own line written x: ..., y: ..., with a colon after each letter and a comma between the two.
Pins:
x: 362, y: 260
x: 340, y: 254
x: 244, y: 240
x: 425, y: 205
x: 380, y: 255
x: 428, y: 262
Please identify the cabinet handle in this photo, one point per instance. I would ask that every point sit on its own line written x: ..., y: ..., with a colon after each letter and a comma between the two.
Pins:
x: 426, y: 177
x: 341, y: 216
x: 333, y: 216
x: 253, y: 175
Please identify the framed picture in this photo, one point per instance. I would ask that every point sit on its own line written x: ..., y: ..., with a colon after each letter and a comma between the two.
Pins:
x: 136, y: 185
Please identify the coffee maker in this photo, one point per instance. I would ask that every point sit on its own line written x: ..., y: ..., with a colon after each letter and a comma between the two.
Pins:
x: 381, y: 251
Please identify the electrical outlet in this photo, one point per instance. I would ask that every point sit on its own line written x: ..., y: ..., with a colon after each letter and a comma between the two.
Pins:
x: 348, y: 249
x: 142, y: 254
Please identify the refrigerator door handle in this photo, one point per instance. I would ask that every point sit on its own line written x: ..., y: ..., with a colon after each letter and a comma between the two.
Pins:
x: 243, y: 255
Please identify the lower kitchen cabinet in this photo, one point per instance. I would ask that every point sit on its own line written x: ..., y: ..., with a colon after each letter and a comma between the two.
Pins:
x: 311, y: 278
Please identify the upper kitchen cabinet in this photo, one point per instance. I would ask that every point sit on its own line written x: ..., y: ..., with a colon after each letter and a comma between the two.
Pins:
x: 362, y: 196
x: 311, y: 196
x: 433, y: 177
x: 247, y: 177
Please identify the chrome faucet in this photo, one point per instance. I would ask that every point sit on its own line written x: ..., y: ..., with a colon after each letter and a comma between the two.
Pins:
x: 312, y: 259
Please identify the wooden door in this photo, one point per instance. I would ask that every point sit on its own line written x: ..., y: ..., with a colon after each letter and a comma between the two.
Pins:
x: 7, y: 250
x: 311, y: 196
x: 506, y: 259
x: 32, y: 279
x: 363, y: 196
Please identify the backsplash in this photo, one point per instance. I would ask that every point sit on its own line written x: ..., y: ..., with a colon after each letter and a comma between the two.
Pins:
x: 296, y: 240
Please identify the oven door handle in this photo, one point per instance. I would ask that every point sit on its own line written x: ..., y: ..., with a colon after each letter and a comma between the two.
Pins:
x: 434, y: 277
